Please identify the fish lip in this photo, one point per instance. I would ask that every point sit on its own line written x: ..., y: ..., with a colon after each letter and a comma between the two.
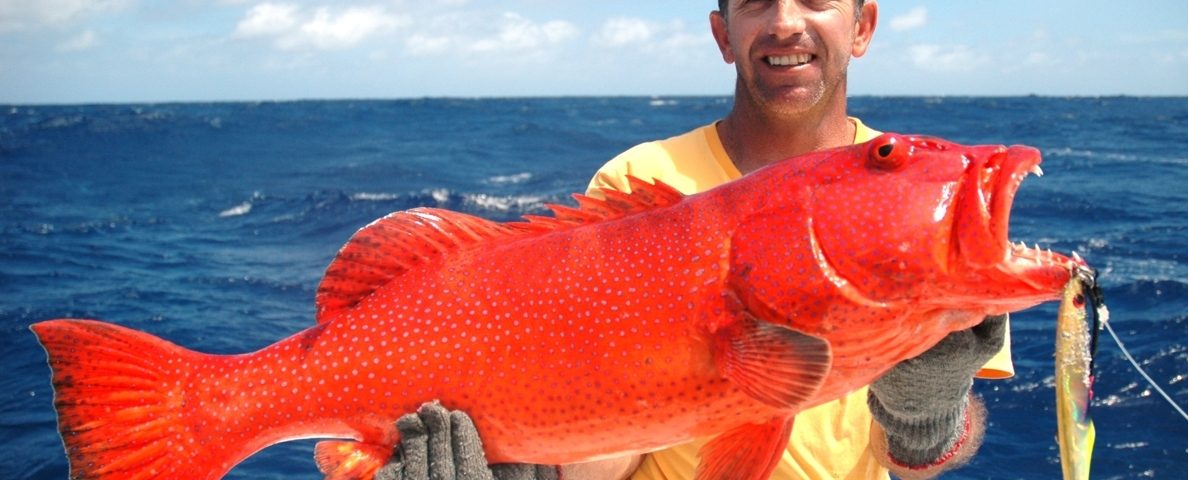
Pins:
x: 992, y: 178
x: 1012, y: 168
x: 1041, y: 270
x: 981, y: 233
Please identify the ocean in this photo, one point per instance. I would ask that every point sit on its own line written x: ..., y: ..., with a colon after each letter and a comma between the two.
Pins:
x: 211, y: 224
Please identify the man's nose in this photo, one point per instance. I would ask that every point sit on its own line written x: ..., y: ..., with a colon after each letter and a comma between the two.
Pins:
x: 787, y: 19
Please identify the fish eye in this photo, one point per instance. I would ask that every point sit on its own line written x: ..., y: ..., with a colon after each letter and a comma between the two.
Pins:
x: 888, y: 153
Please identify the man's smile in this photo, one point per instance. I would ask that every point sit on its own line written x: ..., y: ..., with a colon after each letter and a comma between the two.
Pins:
x: 789, y: 60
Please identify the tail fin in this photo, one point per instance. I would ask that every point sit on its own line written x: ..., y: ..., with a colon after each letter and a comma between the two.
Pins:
x: 118, y: 393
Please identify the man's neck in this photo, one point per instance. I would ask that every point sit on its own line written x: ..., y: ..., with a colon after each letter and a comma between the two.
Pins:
x: 754, y: 141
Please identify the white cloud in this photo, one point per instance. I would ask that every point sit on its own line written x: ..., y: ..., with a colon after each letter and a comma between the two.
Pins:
x: 267, y: 19
x: 670, y: 42
x: 682, y: 41
x: 513, y: 33
x: 33, y: 14
x: 1161, y: 37
x: 419, y: 44
x: 1037, y: 58
x: 82, y: 41
x: 936, y: 58
x: 322, y: 28
x: 327, y: 31
x: 912, y: 19
x: 619, y: 32
x: 517, y: 33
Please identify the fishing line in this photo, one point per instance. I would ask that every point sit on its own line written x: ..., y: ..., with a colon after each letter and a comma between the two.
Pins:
x: 1125, y: 352
x: 1101, y: 318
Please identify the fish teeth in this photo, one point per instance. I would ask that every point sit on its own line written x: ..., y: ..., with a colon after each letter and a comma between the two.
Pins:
x: 1037, y: 171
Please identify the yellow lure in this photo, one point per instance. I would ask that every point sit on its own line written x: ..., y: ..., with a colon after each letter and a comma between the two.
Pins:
x: 1075, y: 341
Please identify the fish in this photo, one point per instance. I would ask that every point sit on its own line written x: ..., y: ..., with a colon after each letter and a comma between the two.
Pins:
x: 1076, y: 343
x: 631, y: 322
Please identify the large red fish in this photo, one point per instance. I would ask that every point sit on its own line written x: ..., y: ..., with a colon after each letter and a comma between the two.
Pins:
x: 623, y: 326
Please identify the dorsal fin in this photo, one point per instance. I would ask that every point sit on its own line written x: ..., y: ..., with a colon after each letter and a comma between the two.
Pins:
x: 614, y: 204
x: 392, y: 245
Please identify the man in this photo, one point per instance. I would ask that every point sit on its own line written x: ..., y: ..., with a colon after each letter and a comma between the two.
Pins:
x: 791, y: 58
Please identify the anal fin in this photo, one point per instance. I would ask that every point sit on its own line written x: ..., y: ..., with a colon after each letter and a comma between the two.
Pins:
x: 749, y: 452
x: 350, y: 460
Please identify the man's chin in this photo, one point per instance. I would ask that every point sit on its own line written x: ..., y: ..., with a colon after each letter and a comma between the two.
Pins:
x: 792, y: 100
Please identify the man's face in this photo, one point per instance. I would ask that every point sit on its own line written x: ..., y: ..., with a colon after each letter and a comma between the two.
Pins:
x: 792, y: 54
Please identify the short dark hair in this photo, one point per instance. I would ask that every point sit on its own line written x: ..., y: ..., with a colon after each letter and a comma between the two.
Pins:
x: 857, y: 7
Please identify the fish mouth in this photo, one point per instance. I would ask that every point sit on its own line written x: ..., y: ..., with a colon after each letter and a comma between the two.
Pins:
x: 993, y: 177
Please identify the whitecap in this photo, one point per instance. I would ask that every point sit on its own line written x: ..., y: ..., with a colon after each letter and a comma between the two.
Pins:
x: 1024, y: 387
x: 1130, y: 445
x: 1072, y: 152
x: 503, y: 203
x: 241, y: 209
x: 374, y: 197
x: 505, y: 179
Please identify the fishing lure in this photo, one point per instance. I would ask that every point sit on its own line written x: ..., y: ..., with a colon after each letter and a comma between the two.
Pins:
x: 1076, y: 345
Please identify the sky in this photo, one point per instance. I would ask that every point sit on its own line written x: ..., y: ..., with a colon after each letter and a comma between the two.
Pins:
x: 113, y: 51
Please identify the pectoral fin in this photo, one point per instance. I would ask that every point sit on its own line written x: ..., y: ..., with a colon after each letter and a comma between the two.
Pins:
x: 775, y: 365
x: 749, y: 452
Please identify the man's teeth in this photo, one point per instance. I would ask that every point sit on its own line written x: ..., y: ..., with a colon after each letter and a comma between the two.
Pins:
x: 786, y: 60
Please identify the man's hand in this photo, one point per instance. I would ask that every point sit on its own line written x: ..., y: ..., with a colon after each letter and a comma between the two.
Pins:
x: 437, y: 444
x: 923, y: 404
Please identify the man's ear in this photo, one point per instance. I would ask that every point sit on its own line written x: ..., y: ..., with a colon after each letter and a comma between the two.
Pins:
x: 721, y: 36
x: 866, y: 28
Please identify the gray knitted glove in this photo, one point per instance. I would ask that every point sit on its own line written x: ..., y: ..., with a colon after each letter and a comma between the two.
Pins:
x: 437, y: 444
x: 921, y: 402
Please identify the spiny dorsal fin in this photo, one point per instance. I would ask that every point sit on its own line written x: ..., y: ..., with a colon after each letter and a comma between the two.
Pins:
x: 391, y: 246
x: 614, y: 204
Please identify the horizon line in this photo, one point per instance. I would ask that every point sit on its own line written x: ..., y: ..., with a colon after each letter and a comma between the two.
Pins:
x: 10, y: 104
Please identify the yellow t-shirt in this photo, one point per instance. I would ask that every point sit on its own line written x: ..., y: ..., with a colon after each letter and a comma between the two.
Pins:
x: 828, y: 441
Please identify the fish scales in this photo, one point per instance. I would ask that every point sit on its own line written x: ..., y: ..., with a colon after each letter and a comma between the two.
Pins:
x: 623, y: 326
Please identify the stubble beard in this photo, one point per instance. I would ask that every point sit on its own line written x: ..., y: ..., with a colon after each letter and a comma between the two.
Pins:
x: 790, y: 103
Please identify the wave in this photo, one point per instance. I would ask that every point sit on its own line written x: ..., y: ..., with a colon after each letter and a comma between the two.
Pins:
x: 1073, y: 152
x: 374, y: 197
x: 508, y: 179
x: 241, y: 209
x: 504, y: 203
x: 331, y: 207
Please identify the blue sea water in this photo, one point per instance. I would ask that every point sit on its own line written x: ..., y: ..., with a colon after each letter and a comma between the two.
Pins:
x: 211, y: 224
